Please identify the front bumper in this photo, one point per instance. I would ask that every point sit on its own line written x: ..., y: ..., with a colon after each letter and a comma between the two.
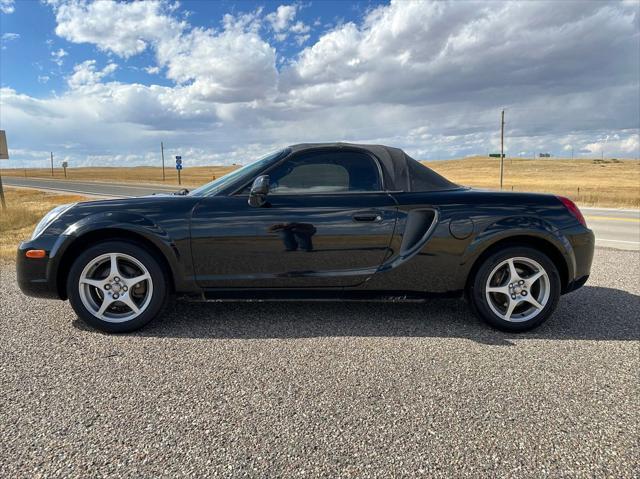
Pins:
x: 33, y: 273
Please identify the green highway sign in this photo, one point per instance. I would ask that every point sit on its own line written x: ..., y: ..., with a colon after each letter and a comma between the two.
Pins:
x: 495, y: 155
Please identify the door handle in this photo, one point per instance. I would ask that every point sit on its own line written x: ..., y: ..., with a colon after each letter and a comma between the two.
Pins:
x: 373, y: 217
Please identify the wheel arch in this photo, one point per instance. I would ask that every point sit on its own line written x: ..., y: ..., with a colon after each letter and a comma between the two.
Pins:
x: 536, y: 242
x: 94, y: 237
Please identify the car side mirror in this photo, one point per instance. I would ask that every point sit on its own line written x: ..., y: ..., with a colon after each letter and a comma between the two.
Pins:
x: 259, y: 191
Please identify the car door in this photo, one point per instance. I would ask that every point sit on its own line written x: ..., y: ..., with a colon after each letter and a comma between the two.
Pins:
x: 327, y: 223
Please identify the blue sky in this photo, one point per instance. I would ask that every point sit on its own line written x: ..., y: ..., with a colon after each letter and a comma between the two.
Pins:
x: 31, y: 56
x: 221, y: 82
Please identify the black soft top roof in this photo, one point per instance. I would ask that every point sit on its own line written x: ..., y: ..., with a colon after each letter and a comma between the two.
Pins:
x: 401, y: 172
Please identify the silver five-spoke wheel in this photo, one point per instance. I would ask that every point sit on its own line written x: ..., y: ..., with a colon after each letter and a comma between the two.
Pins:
x: 518, y: 289
x: 115, y: 287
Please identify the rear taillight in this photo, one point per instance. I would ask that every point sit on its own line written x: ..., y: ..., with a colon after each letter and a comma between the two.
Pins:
x: 573, y: 209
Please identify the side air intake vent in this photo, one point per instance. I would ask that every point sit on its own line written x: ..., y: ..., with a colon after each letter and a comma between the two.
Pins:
x: 419, y: 223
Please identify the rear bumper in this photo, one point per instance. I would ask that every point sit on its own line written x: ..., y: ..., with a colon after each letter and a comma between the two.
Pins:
x: 578, y: 283
x: 33, y: 276
x: 583, y: 243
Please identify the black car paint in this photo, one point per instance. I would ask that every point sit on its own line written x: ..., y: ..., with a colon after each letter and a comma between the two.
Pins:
x: 238, y: 246
x: 383, y: 243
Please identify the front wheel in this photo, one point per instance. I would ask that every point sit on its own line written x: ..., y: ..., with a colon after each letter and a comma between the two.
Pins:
x: 117, y: 287
x: 515, y: 289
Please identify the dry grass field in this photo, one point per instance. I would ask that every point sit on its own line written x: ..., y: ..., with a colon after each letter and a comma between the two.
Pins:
x: 596, y: 182
x: 614, y: 183
x: 24, y: 209
x: 191, y: 177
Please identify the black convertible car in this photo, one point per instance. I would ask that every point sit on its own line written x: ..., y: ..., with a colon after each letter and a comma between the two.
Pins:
x: 313, y: 221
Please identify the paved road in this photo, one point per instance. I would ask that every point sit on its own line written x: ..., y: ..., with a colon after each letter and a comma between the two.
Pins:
x: 325, y: 389
x: 89, y: 187
x: 613, y: 228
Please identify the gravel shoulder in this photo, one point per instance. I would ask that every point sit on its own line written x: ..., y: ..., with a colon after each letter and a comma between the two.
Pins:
x: 325, y: 389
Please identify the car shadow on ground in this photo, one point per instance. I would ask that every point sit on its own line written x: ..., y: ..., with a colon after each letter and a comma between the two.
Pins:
x: 591, y: 313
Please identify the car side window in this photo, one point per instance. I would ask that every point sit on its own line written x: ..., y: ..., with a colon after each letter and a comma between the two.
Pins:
x: 325, y: 172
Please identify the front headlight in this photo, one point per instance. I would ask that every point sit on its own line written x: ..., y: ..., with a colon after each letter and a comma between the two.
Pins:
x: 49, y: 218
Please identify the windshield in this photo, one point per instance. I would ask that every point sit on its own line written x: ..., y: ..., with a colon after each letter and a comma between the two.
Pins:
x: 216, y: 186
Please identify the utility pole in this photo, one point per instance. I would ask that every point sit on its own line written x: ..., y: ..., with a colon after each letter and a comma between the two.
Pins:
x: 4, y: 155
x: 52, y: 164
x: 2, y: 200
x: 162, y: 151
x: 502, y: 149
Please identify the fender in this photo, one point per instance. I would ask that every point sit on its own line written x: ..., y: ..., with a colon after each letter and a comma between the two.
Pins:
x: 124, y: 221
x: 514, y: 226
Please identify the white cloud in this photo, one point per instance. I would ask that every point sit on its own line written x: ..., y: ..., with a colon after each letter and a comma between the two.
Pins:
x: 301, y: 39
x: 282, y: 24
x: 299, y: 27
x: 232, y: 65
x: 282, y: 17
x: 8, y: 37
x: 43, y: 78
x: 125, y: 29
x: 7, y: 6
x: 85, y: 74
x: 250, y: 21
x: 431, y: 77
x: 425, y: 52
x: 58, y: 55
x: 629, y: 146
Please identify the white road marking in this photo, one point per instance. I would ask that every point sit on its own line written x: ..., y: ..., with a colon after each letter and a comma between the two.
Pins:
x: 622, y: 210
x: 617, y: 241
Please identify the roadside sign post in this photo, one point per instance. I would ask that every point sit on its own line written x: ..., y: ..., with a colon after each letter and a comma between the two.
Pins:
x: 179, y: 168
x: 64, y: 167
x: 4, y: 155
x: 52, y: 164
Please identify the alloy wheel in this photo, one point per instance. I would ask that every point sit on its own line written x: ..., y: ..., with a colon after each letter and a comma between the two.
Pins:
x: 518, y: 289
x: 115, y: 287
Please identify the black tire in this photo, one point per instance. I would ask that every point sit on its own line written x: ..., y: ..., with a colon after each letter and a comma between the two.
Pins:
x: 480, y: 303
x: 159, y: 295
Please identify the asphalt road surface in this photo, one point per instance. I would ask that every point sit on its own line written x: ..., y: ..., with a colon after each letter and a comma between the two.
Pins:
x: 325, y: 389
x: 613, y: 228
x: 89, y: 187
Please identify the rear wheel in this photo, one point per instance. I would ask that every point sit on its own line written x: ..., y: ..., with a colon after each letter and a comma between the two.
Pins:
x: 515, y: 289
x: 117, y: 286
